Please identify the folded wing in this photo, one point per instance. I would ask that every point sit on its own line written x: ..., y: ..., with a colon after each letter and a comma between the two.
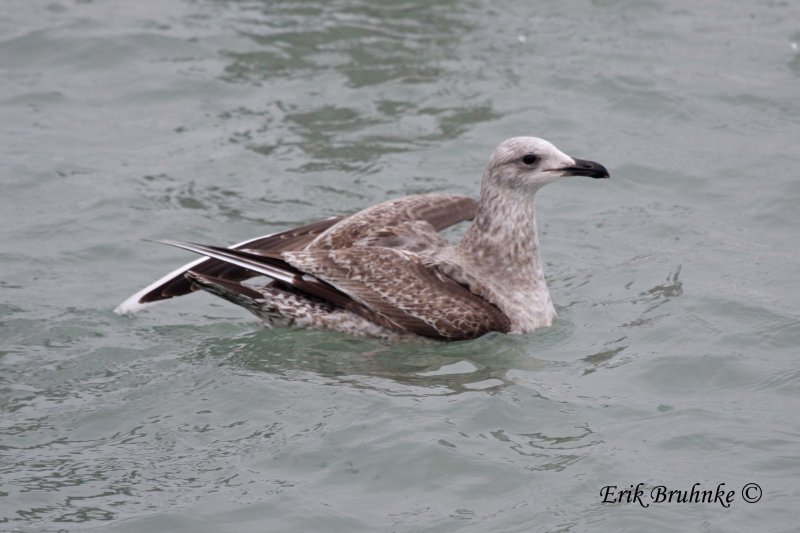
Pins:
x: 386, y: 223
x: 389, y: 287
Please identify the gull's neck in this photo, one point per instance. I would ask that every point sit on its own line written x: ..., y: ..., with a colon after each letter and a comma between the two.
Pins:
x: 502, y: 247
x: 503, y: 236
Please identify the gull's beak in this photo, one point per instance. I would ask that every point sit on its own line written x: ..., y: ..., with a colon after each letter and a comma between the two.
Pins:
x: 582, y: 167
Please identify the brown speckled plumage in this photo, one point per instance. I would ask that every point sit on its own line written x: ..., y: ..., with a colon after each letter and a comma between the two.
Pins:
x: 385, y: 271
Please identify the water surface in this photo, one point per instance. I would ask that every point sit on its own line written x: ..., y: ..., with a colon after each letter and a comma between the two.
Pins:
x: 674, y: 358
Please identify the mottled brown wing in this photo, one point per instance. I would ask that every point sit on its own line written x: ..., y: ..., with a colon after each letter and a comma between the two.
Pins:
x: 176, y: 284
x: 439, y: 210
x: 395, y: 285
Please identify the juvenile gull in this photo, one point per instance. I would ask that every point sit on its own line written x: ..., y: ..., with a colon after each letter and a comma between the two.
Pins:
x: 385, y: 271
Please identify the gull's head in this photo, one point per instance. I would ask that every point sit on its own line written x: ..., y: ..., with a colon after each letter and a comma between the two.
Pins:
x: 527, y: 163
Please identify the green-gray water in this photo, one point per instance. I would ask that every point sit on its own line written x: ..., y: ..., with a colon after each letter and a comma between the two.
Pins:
x: 674, y: 360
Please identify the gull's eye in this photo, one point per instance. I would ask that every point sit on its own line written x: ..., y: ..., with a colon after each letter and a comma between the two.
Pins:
x: 529, y: 159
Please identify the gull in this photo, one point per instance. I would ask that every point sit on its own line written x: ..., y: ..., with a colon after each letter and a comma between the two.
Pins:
x: 387, y: 272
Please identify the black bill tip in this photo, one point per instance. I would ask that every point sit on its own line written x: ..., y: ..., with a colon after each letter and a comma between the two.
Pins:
x: 583, y: 167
